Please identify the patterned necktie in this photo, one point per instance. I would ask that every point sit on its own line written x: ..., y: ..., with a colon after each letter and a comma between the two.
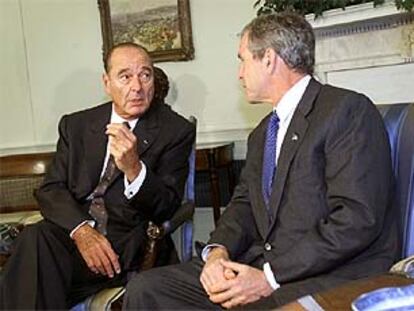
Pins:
x: 269, y: 157
x: 97, y: 208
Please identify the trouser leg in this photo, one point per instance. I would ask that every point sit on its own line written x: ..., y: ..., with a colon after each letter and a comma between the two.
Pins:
x: 86, y: 283
x: 172, y: 287
x: 38, y: 274
x: 178, y: 288
x: 46, y: 271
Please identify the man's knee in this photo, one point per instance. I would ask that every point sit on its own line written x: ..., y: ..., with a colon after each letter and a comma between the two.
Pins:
x: 43, y: 237
x: 140, y: 292
x: 29, y: 236
x: 42, y: 227
x: 46, y: 229
x: 144, y: 281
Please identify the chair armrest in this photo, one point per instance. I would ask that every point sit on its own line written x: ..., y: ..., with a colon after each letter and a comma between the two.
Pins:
x: 184, y: 213
x: 404, y: 267
x: 154, y: 233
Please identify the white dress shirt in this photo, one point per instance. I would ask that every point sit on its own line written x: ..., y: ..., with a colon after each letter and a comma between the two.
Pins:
x: 285, y: 109
x: 132, y: 188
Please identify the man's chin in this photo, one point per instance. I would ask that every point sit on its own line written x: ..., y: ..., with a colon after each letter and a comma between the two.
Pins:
x: 138, y: 110
x: 253, y: 100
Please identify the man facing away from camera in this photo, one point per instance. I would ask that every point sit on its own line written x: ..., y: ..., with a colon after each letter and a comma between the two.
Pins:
x: 311, y: 209
x: 117, y: 166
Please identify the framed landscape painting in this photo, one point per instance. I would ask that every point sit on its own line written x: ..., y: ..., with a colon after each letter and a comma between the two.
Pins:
x: 161, y: 26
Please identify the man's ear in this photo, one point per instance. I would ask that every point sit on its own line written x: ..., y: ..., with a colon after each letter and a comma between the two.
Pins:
x: 106, y: 82
x: 270, y: 59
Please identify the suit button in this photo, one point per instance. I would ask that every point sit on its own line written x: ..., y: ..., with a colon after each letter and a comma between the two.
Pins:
x: 267, y: 246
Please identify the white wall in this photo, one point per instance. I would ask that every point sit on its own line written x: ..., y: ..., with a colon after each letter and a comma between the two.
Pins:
x: 50, y: 64
x: 16, y: 122
x: 50, y: 60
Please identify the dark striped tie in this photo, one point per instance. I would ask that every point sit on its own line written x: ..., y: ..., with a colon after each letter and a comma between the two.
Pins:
x: 97, y: 208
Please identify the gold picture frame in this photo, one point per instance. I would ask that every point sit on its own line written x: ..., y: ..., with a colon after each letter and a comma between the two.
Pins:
x: 162, y: 26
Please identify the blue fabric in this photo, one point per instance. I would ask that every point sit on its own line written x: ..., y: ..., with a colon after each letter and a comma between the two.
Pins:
x: 399, y: 122
x: 189, y: 195
x: 386, y: 299
x: 269, y: 157
x: 82, y: 306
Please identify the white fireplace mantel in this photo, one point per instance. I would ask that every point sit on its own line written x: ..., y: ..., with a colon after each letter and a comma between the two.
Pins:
x: 368, y: 49
x: 353, y: 13
x: 362, y: 36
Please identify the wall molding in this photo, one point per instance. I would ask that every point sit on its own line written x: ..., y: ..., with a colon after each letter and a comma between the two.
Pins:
x: 374, y: 24
x: 27, y: 149
x: 205, y: 136
x: 238, y: 136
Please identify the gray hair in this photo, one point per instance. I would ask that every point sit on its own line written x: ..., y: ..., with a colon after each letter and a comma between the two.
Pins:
x: 288, y: 34
x: 107, y: 59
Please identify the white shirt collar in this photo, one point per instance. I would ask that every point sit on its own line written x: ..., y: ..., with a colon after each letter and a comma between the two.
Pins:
x: 116, y: 118
x: 288, y: 103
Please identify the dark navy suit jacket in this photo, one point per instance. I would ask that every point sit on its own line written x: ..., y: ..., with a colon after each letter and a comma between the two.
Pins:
x: 330, y: 198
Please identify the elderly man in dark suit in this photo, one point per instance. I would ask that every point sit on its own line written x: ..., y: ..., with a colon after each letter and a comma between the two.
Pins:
x: 311, y: 209
x: 117, y: 166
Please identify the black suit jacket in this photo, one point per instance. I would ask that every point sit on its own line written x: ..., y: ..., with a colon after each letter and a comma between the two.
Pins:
x: 164, y: 144
x: 329, y: 199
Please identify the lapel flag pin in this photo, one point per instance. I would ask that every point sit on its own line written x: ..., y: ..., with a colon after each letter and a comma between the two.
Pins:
x: 295, y: 137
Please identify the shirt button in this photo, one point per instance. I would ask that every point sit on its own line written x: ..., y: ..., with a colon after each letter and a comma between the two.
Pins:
x: 131, y: 193
x: 267, y: 246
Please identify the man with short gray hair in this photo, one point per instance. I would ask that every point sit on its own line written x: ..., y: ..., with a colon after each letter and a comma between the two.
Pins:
x: 311, y: 210
x: 117, y: 166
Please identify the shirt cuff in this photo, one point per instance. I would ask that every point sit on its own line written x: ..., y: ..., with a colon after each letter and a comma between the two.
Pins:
x: 89, y: 222
x: 132, y: 188
x: 206, y: 250
x: 270, y: 277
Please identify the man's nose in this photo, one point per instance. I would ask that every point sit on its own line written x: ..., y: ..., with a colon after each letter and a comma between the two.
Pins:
x: 136, y: 84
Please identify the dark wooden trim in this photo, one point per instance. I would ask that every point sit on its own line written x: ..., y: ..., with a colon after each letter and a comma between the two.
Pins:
x: 25, y: 164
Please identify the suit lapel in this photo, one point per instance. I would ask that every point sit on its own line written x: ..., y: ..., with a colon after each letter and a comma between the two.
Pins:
x: 146, y: 131
x: 95, y: 144
x: 261, y: 214
x: 292, y: 140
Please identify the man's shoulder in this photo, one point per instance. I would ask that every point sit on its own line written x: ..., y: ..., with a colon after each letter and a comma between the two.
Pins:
x: 329, y: 89
x: 101, y: 109
x: 345, y: 102
x: 171, y: 118
x: 334, y: 94
x: 328, y: 98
